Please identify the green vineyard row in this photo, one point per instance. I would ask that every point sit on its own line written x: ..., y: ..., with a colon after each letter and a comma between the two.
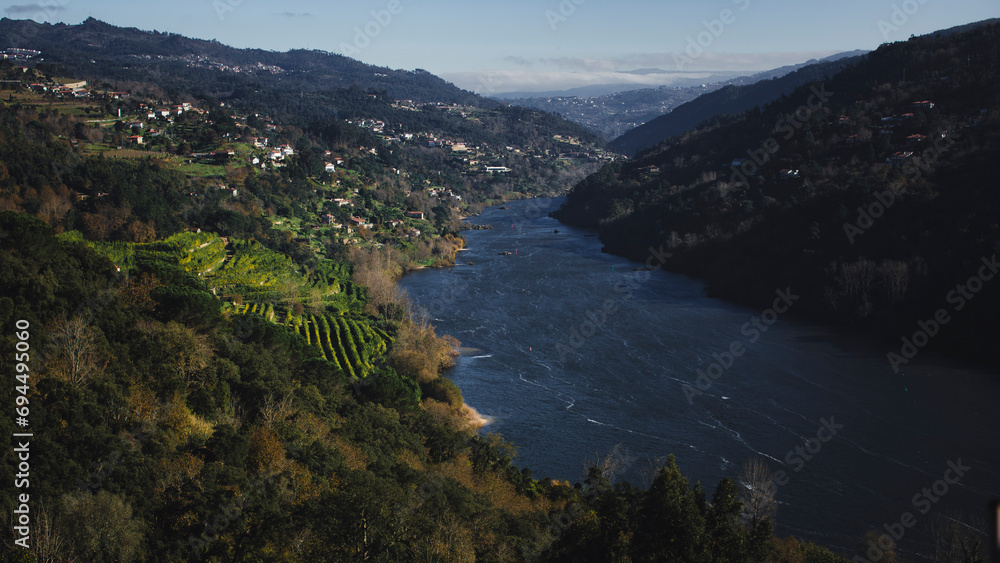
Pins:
x: 348, y: 343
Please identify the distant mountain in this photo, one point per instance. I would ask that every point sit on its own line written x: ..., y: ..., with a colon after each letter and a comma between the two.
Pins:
x: 311, y: 89
x: 740, y: 96
x: 668, y: 79
x: 613, y: 114
x: 129, y: 54
x: 592, y: 91
x: 612, y: 110
x: 871, y: 191
x: 788, y: 69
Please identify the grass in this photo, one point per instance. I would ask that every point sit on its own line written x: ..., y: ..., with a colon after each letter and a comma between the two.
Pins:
x: 131, y: 153
x: 202, y: 170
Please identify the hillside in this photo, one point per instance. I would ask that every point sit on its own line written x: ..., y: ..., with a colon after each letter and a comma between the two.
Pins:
x: 730, y: 99
x: 309, y: 89
x: 869, y: 194
x: 129, y: 54
x: 202, y: 380
x: 213, y: 360
x: 614, y: 114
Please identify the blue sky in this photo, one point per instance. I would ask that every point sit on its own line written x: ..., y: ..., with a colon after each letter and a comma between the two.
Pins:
x: 494, y: 46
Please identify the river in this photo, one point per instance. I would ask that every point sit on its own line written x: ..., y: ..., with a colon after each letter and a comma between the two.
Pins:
x: 569, y: 352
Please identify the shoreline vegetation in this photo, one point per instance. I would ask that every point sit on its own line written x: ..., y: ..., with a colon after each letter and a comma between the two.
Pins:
x: 222, y: 365
x: 419, y: 353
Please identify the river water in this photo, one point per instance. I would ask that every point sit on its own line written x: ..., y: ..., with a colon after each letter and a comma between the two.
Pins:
x: 569, y: 352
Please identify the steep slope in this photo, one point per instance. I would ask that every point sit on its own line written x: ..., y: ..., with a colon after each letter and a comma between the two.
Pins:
x: 729, y: 99
x: 312, y: 90
x: 870, y: 195
x: 134, y: 55
x: 615, y: 113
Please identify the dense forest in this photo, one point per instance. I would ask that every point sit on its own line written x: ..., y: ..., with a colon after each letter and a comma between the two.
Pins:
x: 201, y: 381
x: 172, y: 425
x: 872, y: 193
x: 308, y: 89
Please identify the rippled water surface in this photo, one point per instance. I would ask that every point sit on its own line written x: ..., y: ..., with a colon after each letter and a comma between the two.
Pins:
x: 570, y: 351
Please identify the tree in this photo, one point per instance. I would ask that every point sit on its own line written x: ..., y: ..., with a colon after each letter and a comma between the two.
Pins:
x: 102, y: 528
x: 756, y: 493
x: 186, y: 352
x: 77, y: 355
x: 50, y: 544
x: 670, y: 526
x: 957, y: 538
x: 267, y: 453
x: 722, y: 524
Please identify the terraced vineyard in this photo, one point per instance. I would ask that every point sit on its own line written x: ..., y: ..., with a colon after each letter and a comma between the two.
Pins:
x: 196, y: 252
x: 263, y: 278
x: 255, y: 272
x: 347, y: 342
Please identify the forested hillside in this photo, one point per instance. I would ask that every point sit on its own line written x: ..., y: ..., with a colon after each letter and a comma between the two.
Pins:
x: 309, y: 89
x: 170, y: 424
x: 204, y: 339
x: 730, y: 99
x: 870, y: 193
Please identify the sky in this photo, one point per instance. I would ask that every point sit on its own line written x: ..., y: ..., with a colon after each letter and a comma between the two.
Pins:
x: 493, y: 46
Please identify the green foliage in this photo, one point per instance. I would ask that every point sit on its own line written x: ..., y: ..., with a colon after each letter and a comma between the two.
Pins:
x: 444, y: 390
x: 243, y: 424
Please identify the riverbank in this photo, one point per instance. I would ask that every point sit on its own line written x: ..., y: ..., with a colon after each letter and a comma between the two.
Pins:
x: 743, y: 276
x: 621, y: 382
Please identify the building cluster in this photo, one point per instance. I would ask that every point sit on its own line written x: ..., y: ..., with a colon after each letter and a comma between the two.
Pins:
x: 201, y: 61
x: 15, y: 54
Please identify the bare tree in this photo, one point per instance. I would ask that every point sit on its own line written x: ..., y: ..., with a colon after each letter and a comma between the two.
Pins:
x: 617, y: 460
x: 756, y: 493
x: 651, y: 470
x: 276, y: 410
x: 50, y: 545
x: 376, y: 269
x: 76, y: 352
x: 895, y: 278
x: 957, y: 538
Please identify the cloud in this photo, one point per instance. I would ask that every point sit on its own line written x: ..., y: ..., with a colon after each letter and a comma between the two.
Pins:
x: 706, y: 61
x: 657, y: 69
x: 20, y: 9
x: 503, y: 81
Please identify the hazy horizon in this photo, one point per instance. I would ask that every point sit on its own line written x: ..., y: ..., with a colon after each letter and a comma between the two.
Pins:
x: 519, y: 46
